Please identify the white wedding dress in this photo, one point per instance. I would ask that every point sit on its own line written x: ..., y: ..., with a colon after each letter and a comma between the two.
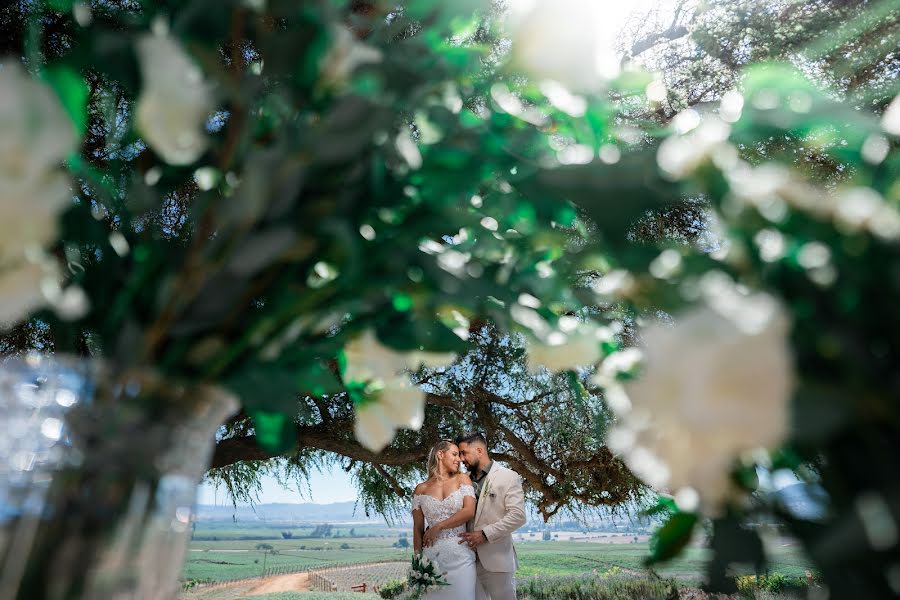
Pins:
x: 455, y: 560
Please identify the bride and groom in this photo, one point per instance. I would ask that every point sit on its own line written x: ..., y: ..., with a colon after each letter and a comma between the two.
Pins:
x: 470, y: 518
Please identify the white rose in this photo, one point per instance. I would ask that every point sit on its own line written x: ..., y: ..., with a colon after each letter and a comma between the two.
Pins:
x: 36, y: 136
x: 175, y: 101
x: 20, y: 288
x: 680, y: 155
x: 557, y: 40
x: 35, y: 133
x: 713, y: 386
x: 372, y: 426
x: 368, y: 359
x: 404, y: 404
x: 399, y: 403
x: 344, y: 56
x: 562, y: 352
x: 890, y: 120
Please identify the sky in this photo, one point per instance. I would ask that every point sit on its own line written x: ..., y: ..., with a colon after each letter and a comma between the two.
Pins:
x: 327, y: 487
x: 334, y: 485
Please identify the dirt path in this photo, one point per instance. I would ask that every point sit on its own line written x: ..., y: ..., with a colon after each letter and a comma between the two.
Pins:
x: 295, y: 582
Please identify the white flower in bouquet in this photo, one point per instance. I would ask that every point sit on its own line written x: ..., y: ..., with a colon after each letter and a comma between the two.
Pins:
x: 714, y: 385
x: 345, y: 56
x: 175, y: 101
x: 558, y: 40
x: 424, y: 574
x: 398, y: 403
x: 36, y: 136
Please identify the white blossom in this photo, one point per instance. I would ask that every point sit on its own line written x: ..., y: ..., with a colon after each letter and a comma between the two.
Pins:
x: 35, y: 137
x: 372, y: 426
x: 397, y: 402
x: 890, y: 120
x: 404, y: 404
x: 560, y: 351
x: 680, y: 155
x: 20, y: 288
x: 557, y: 40
x: 714, y: 385
x: 345, y: 56
x: 175, y: 101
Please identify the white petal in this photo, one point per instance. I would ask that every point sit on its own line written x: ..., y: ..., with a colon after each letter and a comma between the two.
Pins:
x: 403, y: 404
x: 174, y: 102
x: 372, y: 427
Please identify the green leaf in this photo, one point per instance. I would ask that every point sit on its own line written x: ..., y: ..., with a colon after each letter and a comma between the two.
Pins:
x: 72, y: 91
x: 664, y: 505
x: 613, y: 196
x: 406, y: 332
x: 268, y: 387
x: 672, y: 537
x: 274, y: 431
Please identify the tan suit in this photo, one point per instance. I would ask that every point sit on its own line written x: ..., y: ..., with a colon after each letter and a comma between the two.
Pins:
x: 501, y: 510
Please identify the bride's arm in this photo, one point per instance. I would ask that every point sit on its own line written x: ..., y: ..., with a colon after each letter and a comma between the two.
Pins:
x: 418, y: 529
x: 418, y: 521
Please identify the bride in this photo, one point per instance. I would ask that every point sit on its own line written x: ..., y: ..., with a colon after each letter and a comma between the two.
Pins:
x: 446, y: 501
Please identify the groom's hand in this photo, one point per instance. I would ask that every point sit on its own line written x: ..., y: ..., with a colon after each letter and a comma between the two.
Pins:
x: 473, y: 539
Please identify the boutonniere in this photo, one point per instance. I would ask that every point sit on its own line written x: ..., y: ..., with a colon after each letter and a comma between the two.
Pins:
x: 487, y: 489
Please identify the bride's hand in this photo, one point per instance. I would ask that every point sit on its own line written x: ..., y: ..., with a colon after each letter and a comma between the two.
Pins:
x: 431, y: 535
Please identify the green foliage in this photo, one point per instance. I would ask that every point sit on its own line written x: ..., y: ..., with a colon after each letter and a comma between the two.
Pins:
x: 424, y: 196
x: 670, y: 538
x: 392, y: 589
x: 612, y: 586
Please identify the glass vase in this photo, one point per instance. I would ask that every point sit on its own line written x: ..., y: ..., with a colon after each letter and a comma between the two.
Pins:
x: 99, y: 470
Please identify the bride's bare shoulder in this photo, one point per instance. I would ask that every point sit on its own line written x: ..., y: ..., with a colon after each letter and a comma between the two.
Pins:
x: 464, y: 479
x: 422, y: 488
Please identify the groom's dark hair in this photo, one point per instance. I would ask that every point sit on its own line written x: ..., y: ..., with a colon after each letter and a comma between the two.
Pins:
x: 470, y: 437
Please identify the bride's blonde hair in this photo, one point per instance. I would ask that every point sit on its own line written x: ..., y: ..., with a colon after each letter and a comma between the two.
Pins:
x: 432, y: 463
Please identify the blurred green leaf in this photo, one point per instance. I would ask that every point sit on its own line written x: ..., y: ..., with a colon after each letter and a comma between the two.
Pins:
x: 275, y: 432
x: 668, y: 540
x: 72, y: 91
x: 613, y: 196
x: 407, y: 331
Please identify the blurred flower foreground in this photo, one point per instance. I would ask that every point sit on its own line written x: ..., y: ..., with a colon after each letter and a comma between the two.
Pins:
x: 380, y: 224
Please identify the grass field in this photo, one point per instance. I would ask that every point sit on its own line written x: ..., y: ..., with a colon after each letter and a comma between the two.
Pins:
x: 234, y: 558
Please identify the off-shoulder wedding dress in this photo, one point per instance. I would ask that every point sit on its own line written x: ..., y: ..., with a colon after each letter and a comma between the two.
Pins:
x: 456, y: 560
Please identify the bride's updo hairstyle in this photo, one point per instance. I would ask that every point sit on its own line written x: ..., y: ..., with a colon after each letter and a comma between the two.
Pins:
x: 432, y: 463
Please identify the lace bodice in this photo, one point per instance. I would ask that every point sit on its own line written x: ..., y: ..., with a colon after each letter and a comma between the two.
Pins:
x: 436, y: 510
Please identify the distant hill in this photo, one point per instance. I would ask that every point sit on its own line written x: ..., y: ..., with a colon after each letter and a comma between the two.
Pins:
x: 337, y: 512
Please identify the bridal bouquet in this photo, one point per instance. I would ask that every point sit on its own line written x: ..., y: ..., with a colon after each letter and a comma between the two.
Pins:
x: 423, y: 574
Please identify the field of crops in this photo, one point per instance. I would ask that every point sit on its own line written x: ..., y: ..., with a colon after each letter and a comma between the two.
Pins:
x: 235, y: 558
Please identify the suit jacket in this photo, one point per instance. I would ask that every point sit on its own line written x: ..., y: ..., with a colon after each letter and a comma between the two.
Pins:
x: 500, y: 511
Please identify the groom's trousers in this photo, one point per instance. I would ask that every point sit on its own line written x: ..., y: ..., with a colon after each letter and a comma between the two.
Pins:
x: 495, y: 585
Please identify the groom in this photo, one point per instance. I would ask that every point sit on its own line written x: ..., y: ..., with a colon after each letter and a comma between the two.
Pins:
x: 499, y: 510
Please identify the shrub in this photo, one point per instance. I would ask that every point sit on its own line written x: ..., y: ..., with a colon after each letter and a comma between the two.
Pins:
x: 345, y: 546
x: 391, y: 589
x: 613, y: 585
x: 287, y: 535
x: 750, y: 586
